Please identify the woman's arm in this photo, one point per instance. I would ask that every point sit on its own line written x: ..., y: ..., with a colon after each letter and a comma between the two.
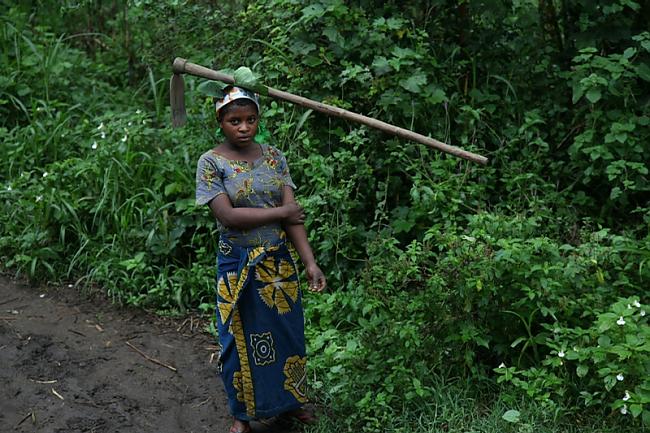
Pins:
x: 250, y: 217
x: 298, y: 236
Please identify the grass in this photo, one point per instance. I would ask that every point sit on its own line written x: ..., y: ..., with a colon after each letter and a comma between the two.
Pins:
x: 457, y: 408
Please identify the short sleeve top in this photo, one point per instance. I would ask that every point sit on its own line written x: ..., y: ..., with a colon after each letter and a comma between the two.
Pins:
x: 259, y: 184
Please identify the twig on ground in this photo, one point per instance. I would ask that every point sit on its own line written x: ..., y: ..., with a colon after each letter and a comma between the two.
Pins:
x: 24, y: 419
x: 201, y: 404
x: 57, y: 394
x: 43, y: 381
x: 148, y: 358
x: 8, y: 301
x: 7, y: 318
x: 182, y: 324
x: 77, y: 332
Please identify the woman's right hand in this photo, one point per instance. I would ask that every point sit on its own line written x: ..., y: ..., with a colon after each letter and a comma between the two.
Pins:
x: 294, y: 214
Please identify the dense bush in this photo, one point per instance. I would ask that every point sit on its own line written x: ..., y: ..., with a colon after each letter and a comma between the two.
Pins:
x: 524, y: 278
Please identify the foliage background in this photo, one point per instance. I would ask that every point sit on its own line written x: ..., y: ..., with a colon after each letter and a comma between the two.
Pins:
x: 509, y: 297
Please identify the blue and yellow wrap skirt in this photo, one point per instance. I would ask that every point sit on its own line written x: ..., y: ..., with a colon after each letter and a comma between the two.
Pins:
x: 261, y: 330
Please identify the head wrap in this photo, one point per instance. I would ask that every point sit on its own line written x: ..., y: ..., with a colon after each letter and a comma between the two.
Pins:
x: 232, y: 93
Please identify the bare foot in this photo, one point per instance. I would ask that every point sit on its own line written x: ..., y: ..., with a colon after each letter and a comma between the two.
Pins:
x: 302, y: 415
x: 239, y: 426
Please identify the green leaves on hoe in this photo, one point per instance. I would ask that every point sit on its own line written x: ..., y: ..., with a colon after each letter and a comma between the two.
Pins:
x: 243, y: 77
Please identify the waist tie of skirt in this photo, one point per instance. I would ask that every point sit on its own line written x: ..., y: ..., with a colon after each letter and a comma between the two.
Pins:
x: 244, y: 263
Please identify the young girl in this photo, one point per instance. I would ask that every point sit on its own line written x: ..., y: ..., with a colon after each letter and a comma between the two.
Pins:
x: 259, y: 303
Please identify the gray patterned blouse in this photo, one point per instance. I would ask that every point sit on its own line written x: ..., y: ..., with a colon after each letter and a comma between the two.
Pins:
x: 256, y: 185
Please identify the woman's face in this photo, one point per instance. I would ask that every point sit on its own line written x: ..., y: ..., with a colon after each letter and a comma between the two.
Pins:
x: 239, y: 125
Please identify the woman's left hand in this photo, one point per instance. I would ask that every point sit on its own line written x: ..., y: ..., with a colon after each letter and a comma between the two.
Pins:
x: 316, y: 278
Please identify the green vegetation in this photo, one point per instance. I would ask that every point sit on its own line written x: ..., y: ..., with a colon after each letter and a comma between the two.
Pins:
x: 510, y: 297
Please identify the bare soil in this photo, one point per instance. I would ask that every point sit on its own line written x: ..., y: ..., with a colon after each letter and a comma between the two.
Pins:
x: 70, y: 362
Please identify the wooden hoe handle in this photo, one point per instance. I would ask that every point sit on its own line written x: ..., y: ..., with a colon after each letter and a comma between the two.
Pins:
x: 182, y: 66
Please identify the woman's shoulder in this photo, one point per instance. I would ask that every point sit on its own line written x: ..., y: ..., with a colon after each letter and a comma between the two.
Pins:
x: 272, y: 150
x: 211, y: 156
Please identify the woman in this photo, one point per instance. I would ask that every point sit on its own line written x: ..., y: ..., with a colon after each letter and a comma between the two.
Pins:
x: 259, y: 304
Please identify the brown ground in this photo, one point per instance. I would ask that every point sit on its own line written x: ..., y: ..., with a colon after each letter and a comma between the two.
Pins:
x: 65, y: 366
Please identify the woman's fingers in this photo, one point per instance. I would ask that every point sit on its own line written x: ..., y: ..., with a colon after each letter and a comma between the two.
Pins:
x: 316, y: 278
x: 296, y: 214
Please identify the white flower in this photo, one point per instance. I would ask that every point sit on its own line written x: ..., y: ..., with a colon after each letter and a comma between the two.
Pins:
x: 629, y: 307
x: 636, y: 304
x: 620, y: 321
x: 103, y: 135
x: 138, y: 111
x: 561, y: 354
x: 624, y: 409
x: 9, y: 188
x: 94, y: 146
x: 642, y: 313
x: 70, y: 286
x: 39, y: 198
x: 42, y: 295
x: 626, y: 397
x: 502, y: 365
x: 101, y: 126
x: 130, y: 123
x: 45, y: 174
x: 620, y: 377
x: 124, y: 139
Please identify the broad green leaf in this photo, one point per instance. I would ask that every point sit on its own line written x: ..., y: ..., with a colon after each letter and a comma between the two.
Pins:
x: 629, y: 53
x: 604, y: 341
x: 635, y: 410
x: 244, y: 77
x: 212, y: 88
x: 646, y: 418
x: 512, y: 416
x: 643, y: 71
x: 415, y: 82
x: 334, y: 36
x: 313, y: 11
x: 615, y: 193
x: 582, y: 370
x: 593, y: 95
x: 381, y: 66
x: 610, y: 381
x: 438, y: 96
x: 312, y: 61
x: 302, y: 47
x: 578, y: 92
x: 23, y: 90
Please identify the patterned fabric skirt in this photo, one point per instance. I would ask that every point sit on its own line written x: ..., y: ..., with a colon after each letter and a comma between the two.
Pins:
x: 261, y: 330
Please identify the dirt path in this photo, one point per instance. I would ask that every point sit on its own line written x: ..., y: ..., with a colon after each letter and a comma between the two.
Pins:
x: 65, y: 366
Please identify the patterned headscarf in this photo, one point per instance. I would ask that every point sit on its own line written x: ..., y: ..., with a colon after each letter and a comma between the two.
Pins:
x: 233, y: 93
